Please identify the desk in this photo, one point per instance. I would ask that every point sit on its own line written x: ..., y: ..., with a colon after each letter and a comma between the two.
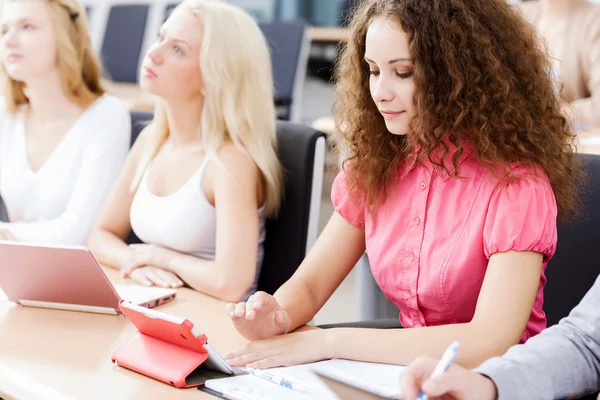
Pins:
x: 590, y: 133
x: 69, y: 352
x: 320, y: 34
x: 131, y: 94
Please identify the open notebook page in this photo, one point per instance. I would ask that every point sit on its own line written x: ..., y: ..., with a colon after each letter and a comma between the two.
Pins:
x: 380, y: 379
x: 250, y: 387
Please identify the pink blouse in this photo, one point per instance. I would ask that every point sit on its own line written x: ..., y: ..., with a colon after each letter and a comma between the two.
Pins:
x: 430, y: 241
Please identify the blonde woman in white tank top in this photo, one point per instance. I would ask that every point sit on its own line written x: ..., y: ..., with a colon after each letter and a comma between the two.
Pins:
x: 202, y: 178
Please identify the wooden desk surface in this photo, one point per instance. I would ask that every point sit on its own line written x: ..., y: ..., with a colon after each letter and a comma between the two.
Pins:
x: 68, y: 353
x: 328, y: 34
x: 591, y: 133
x: 131, y: 94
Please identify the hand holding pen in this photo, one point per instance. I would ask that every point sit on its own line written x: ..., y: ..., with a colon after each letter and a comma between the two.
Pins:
x: 422, y: 378
x: 445, y: 363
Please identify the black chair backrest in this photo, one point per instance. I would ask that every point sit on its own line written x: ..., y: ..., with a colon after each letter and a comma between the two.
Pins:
x: 139, y: 119
x: 123, y: 40
x: 3, y: 212
x: 286, y: 42
x: 576, y: 264
x: 285, y: 245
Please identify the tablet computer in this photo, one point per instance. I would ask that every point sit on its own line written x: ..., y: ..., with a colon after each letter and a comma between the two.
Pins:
x: 67, y: 278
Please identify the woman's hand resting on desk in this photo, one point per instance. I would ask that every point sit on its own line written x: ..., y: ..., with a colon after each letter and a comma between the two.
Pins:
x: 260, y: 317
x: 141, y: 255
x: 262, y: 320
x: 283, y: 350
x: 153, y: 276
x: 456, y: 384
x: 148, y: 265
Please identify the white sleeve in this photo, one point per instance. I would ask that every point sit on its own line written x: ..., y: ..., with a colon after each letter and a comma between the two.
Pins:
x: 104, y: 154
x: 3, y: 134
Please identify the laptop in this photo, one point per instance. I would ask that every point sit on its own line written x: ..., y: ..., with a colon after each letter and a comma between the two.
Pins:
x: 67, y: 278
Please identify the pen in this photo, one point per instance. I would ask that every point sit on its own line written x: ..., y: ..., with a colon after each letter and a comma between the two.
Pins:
x: 443, y: 365
x: 277, y: 379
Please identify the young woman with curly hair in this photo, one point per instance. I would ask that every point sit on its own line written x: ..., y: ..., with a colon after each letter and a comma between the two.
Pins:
x: 458, y: 162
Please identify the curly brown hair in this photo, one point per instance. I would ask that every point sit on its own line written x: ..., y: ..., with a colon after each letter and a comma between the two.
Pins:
x: 480, y: 75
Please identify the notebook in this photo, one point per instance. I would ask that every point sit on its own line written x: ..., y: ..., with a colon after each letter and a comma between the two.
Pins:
x: 347, y: 392
x: 379, y: 379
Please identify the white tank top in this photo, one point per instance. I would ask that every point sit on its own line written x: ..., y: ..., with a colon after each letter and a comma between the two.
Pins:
x: 183, y: 221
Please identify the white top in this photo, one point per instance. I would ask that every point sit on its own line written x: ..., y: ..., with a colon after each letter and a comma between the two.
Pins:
x: 184, y: 221
x: 60, y: 202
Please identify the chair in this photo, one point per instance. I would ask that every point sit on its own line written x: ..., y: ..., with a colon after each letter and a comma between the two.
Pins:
x: 3, y: 212
x: 575, y: 265
x: 139, y: 119
x: 290, y: 235
x: 289, y: 45
x: 123, y: 42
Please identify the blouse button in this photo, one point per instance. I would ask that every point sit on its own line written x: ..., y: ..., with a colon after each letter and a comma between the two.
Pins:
x: 423, y: 185
x: 412, y: 257
x: 417, y: 221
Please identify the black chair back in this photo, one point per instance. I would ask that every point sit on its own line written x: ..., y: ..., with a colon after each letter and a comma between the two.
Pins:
x: 288, y: 234
x: 576, y: 264
x: 288, y: 44
x: 139, y: 120
x: 123, y: 41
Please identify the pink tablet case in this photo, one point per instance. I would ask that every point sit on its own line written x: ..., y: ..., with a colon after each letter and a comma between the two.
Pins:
x: 165, y: 351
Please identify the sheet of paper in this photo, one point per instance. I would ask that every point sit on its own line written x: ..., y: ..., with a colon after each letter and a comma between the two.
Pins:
x: 249, y: 387
x: 380, y: 379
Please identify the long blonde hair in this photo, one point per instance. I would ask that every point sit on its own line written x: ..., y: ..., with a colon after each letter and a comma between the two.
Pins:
x: 79, y: 68
x: 238, y: 95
